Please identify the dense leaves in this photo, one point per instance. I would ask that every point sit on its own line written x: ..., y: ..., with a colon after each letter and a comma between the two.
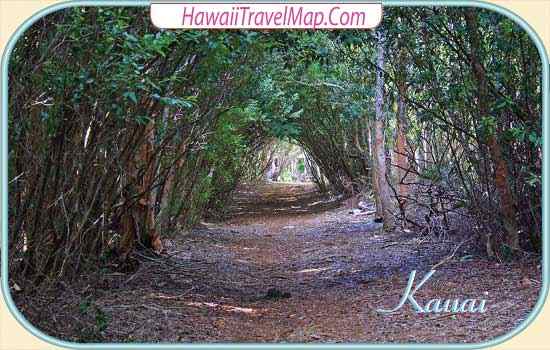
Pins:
x: 121, y: 133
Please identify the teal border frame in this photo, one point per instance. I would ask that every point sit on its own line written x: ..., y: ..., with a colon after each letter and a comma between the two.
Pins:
x: 387, y: 3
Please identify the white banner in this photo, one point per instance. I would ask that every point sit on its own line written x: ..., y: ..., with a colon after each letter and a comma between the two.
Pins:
x: 266, y: 15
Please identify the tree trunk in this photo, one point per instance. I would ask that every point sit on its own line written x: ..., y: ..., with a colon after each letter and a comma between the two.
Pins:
x: 149, y: 235
x: 138, y: 218
x: 380, y: 182
x: 401, y: 161
x: 500, y: 167
x: 401, y: 150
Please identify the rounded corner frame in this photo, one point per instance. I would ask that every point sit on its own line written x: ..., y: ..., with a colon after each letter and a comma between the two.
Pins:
x: 20, y: 318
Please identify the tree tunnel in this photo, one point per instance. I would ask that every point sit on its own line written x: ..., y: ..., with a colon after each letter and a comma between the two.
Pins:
x: 146, y: 133
x: 195, y: 185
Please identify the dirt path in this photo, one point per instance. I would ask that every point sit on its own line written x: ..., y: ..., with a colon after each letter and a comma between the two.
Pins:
x: 293, y: 266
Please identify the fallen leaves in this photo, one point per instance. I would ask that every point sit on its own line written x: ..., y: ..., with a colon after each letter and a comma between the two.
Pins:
x: 229, y: 282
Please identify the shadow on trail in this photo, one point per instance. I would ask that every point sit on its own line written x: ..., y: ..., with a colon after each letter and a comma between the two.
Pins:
x: 291, y: 265
x: 281, y: 198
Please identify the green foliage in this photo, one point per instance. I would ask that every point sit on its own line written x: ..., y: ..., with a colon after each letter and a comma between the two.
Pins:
x: 301, y: 166
x: 487, y: 126
x: 93, y: 331
x: 99, y: 98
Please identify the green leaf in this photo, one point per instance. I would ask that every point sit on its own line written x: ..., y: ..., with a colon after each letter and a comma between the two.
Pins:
x: 535, y: 139
x: 143, y: 119
x: 131, y: 96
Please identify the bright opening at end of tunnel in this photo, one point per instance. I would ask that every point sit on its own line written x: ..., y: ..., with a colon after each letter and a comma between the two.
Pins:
x: 289, y: 163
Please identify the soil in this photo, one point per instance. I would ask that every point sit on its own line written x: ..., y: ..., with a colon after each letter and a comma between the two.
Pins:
x: 290, y: 265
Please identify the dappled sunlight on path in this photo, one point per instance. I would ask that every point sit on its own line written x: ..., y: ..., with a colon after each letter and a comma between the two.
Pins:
x: 312, y: 276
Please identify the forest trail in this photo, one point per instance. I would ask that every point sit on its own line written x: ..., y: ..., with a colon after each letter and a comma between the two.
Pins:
x: 293, y: 266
